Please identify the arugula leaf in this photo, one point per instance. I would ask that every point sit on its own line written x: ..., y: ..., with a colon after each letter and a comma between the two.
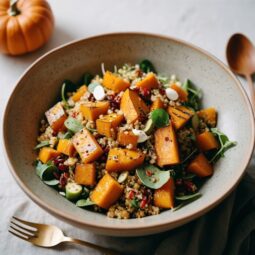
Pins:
x: 42, y: 144
x: 160, y: 118
x: 188, y: 197
x: 134, y: 203
x: 188, y: 201
x: 225, y: 144
x: 194, y: 95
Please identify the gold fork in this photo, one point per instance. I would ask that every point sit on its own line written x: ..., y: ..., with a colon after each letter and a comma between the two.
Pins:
x: 48, y: 235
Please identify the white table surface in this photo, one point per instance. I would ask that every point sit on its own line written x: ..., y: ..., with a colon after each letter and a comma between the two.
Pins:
x: 207, y: 24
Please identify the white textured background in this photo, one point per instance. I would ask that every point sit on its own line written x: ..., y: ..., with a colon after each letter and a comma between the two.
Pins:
x: 206, y: 23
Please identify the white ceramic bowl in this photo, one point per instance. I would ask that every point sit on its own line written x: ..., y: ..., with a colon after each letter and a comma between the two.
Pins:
x: 39, y: 87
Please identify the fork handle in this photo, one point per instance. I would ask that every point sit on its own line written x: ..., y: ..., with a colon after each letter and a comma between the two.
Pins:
x: 106, y: 251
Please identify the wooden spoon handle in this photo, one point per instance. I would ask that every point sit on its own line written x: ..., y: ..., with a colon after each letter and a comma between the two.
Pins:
x: 252, y: 91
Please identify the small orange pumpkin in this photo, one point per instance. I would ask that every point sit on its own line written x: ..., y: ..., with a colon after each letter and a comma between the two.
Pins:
x: 25, y: 25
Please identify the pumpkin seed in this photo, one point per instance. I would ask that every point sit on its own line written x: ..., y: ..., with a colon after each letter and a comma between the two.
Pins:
x: 171, y: 94
x: 142, y: 137
x: 152, y: 176
x: 123, y: 176
x: 99, y: 93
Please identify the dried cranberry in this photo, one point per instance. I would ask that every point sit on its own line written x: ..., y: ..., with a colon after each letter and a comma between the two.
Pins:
x: 162, y: 91
x: 110, y: 97
x: 58, y: 160
x: 91, y: 98
x: 190, y: 186
x: 62, y: 167
x: 63, y: 180
x: 145, y: 92
x: 107, y: 149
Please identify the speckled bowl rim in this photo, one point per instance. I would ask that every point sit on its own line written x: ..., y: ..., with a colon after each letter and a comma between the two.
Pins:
x: 148, y: 228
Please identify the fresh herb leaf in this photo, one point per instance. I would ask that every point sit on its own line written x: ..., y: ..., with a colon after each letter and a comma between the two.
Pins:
x: 42, y: 144
x: 188, y: 197
x: 225, y: 144
x: 188, y: 176
x: 189, y: 156
x: 134, y: 203
x: 87, y: 78
x: 146, y: 66
x: 73, y: 125
x: 68, y: 135
x: 84, y: 202
x: 194, y: 95
x: 45, y: 171
x: 152, y: 176
x: 52, y: 182
x: 188, y: 201
x: 164, y: 79
x: 160, y: 118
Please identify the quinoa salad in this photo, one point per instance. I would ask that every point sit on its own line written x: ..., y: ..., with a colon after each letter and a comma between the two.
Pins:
x: 129, y: 142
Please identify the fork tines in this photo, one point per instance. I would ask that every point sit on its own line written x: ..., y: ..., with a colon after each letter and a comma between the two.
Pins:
x: 22, y: 229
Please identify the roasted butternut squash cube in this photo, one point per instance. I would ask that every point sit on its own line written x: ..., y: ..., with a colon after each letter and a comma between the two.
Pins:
x: 107, y: 125
x: 79, y: 93
x: 166, y: 146
x: 164, y: 196
x: 209, y: 115
x: 47, y: 153
x: 123, y: 160
x: 87, y: 146
x: 85, y: 174
x: 114, y: 82
x: 133, y: 107
x: 200, y: 166
x: 157, y: 104
x: 180, y: 115
x: 92, y: 110
x: 56, y: 117
x: 127, y: 137
x: 183, y: 94
x: 149, y: 82
x: 207, y: 141
x: 107, y: 192
x: 66, y: 147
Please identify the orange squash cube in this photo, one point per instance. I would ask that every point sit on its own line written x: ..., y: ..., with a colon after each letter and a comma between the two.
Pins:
x: 56, y: 117
x: 127, y: 137
x: 113, y: 82
x: 87, y: 146
x: 166, y: 146
x: 79, y: 93
x: 85, y: 174
x: 107, y: 125
x: 164, y: 196
x: 200, y: 166
x: 123, y: 160
x: 47, y: 153
x: 157, y: 104
x: 133, y: 107
x: 92, y: 110
x: 183, y: 94
x: 149, y: 82
x: 209, y: 115
x: 66, y: 147
x: 207, y: 141
x: 180, y: 115
x: 107, y: 192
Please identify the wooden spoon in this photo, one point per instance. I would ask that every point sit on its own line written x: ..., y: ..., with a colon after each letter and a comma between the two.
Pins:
x: 241, y: 59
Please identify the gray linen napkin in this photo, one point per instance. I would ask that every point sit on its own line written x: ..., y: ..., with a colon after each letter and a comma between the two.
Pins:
x: 227, y: 229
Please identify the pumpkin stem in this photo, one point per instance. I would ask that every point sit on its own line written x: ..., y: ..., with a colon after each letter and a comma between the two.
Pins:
x: 14, y: 11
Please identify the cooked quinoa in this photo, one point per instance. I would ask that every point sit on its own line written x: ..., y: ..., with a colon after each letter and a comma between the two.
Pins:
x: 128, y: 143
